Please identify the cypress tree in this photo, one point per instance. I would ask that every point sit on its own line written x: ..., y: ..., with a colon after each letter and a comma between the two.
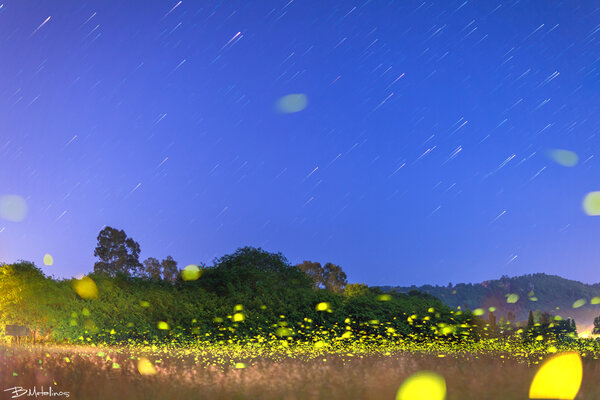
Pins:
x: 530, y: 322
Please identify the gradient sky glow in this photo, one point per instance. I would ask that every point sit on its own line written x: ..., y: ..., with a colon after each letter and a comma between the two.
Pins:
x: 421, y: 156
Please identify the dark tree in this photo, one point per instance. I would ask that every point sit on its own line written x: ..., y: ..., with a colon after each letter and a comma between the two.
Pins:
x: 596, y: 330
x: 152, y: 269
x: 314, y: 272
x: 335, y: 278
x: 530, y: 321
x: 492, y: 322
x: 169, y: 269
x: 118, y: 253
x: 250, y: 271
x: 511, y: 317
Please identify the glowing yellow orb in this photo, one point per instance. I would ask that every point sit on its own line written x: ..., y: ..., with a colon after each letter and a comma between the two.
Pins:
x: 145, y: 367
x: 323, y: 306
x: 191, y: 273
x: 238, y: 317
x: 423, y: 385
x: 85, y: 287
x: 163, y: 326
x: 48, y: 259
x: 558, y: 378
x: 579, y: 303
x: 591, y: 203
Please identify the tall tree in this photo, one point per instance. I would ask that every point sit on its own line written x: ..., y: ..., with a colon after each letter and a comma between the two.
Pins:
x: 169, y: 269
x: 335, y: 278
x: 118, y: 254
x: 530, y: 321
x: 152, y: 269
x: 314, y: 270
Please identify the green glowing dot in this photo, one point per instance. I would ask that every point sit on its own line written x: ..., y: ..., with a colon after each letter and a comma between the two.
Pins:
x: 512, y: 298
x: 478, y: 311
x: 240, y: 365
x: 595, y: 300
x: 292, y: 103
x: 591, y: 203
x: 144, y: 303
x: 492, y: 309
x: 282, y: 332
x: 324, y: 306
x: 565, y: 158
x: 384, y: 297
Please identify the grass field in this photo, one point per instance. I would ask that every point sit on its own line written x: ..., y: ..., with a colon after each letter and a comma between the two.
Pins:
x: 276, y: 372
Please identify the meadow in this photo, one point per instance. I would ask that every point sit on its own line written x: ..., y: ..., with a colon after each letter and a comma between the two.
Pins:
x: 255, y: 327
x: 488, y: 369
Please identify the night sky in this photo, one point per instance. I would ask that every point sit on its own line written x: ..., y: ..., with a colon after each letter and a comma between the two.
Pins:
x: 422, y: 155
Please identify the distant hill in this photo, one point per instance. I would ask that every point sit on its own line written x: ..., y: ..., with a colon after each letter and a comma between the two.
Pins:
x: 546, y: 293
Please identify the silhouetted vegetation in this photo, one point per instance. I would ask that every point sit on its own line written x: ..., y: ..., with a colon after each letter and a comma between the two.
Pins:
x: 247, y: 293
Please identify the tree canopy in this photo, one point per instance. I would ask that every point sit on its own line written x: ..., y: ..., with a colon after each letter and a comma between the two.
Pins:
x: 117, y: 253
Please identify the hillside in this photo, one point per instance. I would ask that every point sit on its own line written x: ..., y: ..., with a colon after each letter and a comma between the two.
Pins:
x: 546, y: 293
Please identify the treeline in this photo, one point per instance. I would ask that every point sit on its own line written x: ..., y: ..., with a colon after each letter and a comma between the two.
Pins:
x: 248, y: 294
x: 538, y: 292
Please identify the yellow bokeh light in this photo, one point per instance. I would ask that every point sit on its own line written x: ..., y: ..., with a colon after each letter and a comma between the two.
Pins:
x: 423, y: 385
x: 591, y: 203
x: 323, y: 306
x: 558, y: 378
x: 595, y: 300
x: 191, y: 273
x: 85, y: 287
x: 145, y: 367
x: 163, y: 326
x: 48, y: 259
x: 579, y: 303
x: 238, y: 317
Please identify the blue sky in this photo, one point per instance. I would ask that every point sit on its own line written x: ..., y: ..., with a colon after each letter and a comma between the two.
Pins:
x: 421, y: 156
